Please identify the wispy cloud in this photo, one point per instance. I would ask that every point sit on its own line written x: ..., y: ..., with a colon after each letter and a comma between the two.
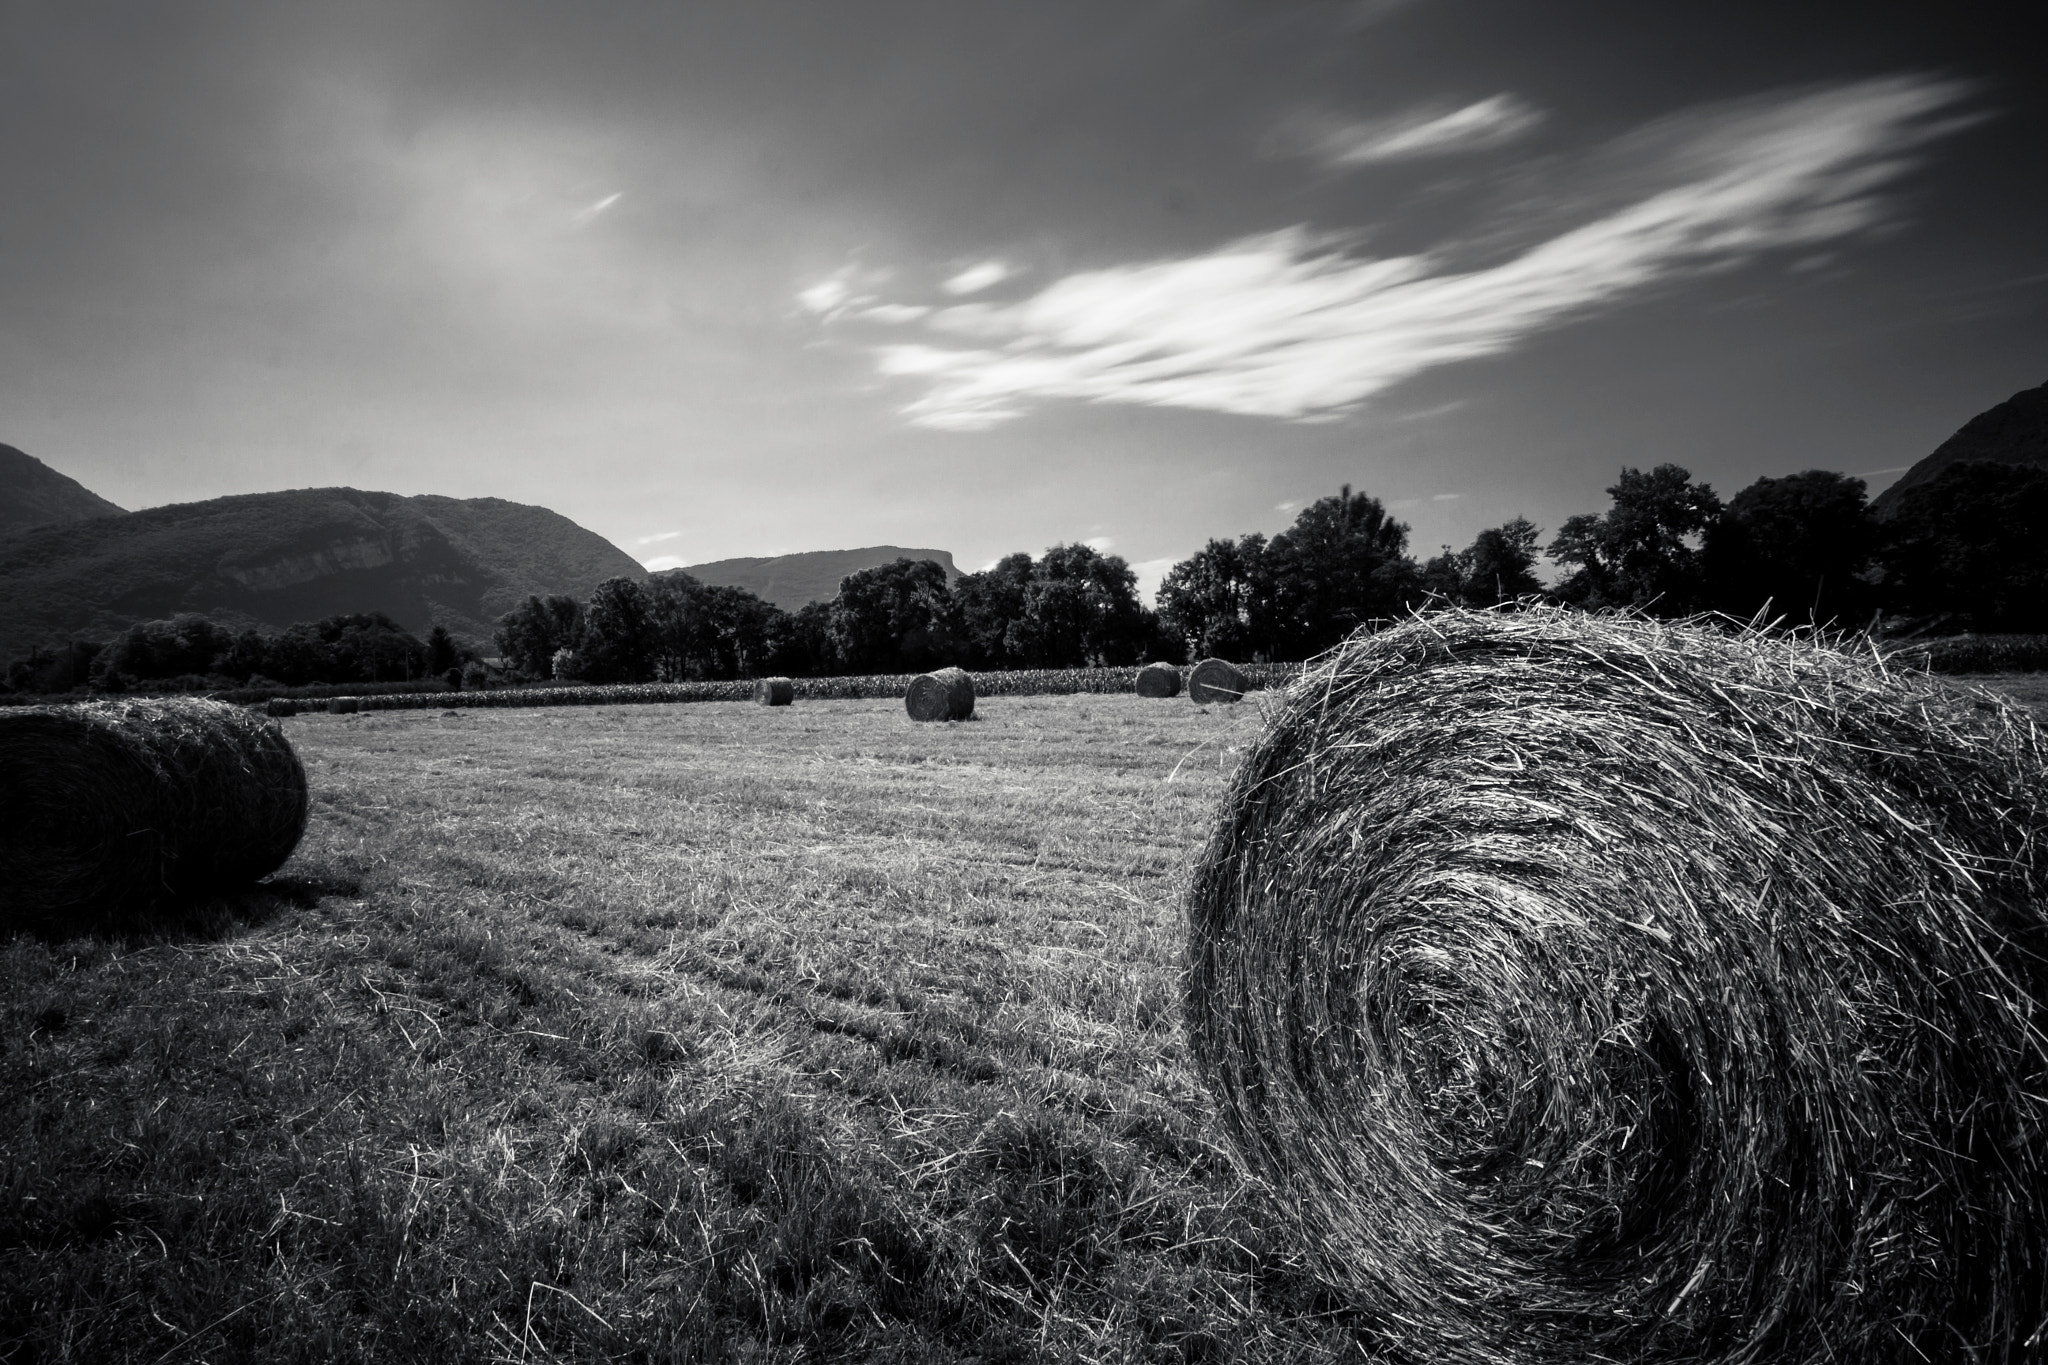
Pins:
x: 660, y: 562
x: 1293, y: 325
x: 590, y: 211
x: 657, y: 538
x: 1484, y: 123
x: 976, y: 278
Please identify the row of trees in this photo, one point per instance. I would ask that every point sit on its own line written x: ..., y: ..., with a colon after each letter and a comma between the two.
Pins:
x: 192, y: 651
x: 1070, y: 607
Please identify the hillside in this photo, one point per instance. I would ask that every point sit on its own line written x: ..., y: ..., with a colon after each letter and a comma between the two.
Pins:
x: 272, y: 559
x: 789, y: 581
x: 33, y: 494
x: 2014, y: 432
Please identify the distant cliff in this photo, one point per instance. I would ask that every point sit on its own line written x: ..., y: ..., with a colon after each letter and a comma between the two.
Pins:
x: 2014, y: 432
x: 789, y: 581
x: 271, y: 559
x: 33, y: 494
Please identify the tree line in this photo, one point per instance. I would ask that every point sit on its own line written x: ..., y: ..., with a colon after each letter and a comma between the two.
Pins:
x: 1961, y: 552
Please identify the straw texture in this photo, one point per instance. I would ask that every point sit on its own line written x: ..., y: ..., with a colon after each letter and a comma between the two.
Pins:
x: 112, y: 808
x: 945, y: 694
x: 1596, y: 988
x: 774, y: 691
x: 1159, y: 680
x: 1216, y: 680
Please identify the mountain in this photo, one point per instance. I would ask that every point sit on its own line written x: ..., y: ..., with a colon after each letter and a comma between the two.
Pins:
x: 271, y: 559
x: 789, y: 581
x: 2014, y: 432
x: 32, y: 493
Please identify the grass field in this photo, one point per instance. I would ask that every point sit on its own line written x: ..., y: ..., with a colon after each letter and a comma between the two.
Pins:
x: 660, y: 1032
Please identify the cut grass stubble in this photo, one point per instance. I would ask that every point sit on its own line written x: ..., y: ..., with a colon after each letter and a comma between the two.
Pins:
x: 663, y: 1033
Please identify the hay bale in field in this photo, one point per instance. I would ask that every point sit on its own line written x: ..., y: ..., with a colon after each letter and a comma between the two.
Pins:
x: 774, y: 691
x: 280, y: 707
x: 1216, y: 680
x: 344, y: 706
x: 1595, y: 988
x: 945, y: 694
x: 1159, y: 680
x: 110, y: 808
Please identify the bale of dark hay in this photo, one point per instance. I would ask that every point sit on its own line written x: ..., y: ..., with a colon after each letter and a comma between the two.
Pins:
x: 1216, y: 680
x: 112, y: 808
x: 344, y: 706
x: 1159, y: 680
x: 945, y: 694
x: 280, y: 707
x: 774, y: 691
x: 1594, y: 988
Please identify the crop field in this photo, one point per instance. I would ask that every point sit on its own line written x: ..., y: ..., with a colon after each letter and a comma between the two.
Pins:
x: 645, y: 1033
x: 659, y: 1032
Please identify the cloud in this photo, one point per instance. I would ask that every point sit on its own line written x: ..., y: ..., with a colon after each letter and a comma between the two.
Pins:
x: 1485, y: 123
x: 1292, y: 325
x: 660, y: 562
x: 1102, y: 545
x: 976, y: 278
x: 584, y: 215
x: 657, y: 539
x: 1150, y: 573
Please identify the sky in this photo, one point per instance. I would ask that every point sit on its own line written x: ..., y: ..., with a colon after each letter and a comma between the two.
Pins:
x: 750, y: 277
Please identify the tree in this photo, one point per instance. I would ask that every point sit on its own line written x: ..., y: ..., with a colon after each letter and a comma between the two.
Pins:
x: 1214, y: 601
x: 1498, y: 566
x: 1967, y: 545
x: 701, y: 631
x: 1800, y: 545
x: 1644, y: 552
x: 441, y: 652
x: 800, y: 642
x: 895, y: 618
x: 528, y: 635
x: 617, y: 643
x: 1343, y: 563
x: 991, y: 607
x: 153, y: 651
x: 1080, y: 609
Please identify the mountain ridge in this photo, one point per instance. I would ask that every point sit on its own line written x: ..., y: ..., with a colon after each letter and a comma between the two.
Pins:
x: 2012, y: 432
x: 33, y: 494
x: 790, y: 581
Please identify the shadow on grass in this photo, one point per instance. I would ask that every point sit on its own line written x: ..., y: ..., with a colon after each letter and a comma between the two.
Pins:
x: 207, y: 918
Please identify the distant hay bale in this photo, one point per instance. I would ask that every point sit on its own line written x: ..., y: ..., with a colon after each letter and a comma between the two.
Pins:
x: 946, y: 694
x: 774, y: 691
x: 1594, y: 988
x: 1216, y: 680
x: 343, y: 706
x: 1159, y: 680
x: 280, y: 707
x: 111, y: 808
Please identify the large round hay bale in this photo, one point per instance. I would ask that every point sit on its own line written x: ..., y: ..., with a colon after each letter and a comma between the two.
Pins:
x: 111, y: 808
x: 1159, y: 680
x: 1595, y: 988
x: 280, y: 707
x: 1216, y: 680
x: 774, y: 691
x: 344, y: 706
x: 945, y: 694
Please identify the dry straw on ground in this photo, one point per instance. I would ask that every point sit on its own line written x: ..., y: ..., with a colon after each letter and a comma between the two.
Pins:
x: 774, y: 691
x: 1214, y: 680
x: 112, y: 808
x: 1595, y: 988
x: 945, y: 694
x: 1159, y: 680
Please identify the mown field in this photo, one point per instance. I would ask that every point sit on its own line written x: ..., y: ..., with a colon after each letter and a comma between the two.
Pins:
x: 690, y: 1032
x: 659, y: 1033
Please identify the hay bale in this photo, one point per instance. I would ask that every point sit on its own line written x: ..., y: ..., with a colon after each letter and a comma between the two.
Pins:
x: 774, y: 691
x: 946, y: 694
x: 1594, y: 988
x: 111, y: 808
x: 1216, y: 680
x: 344, y: 706
x: 1159, y: 680
x: 280, y: 707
